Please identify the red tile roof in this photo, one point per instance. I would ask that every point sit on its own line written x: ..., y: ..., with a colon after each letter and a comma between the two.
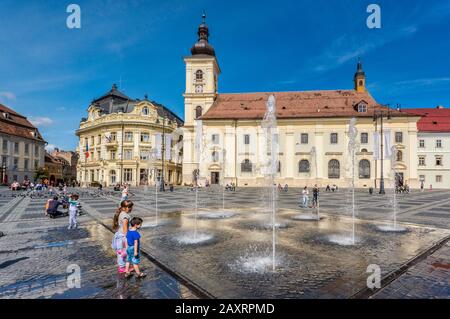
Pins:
x: 17, y: 125
x: 433, y: 120
x: 306, y: 104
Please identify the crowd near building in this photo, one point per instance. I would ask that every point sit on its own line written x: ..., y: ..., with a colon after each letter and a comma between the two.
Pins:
x: 118, y: 139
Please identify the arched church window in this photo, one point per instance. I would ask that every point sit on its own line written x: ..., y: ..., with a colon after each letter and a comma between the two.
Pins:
x: 198, y: 112
x: 364, y: 169
x: 303, y: 166
x: 199, y: 76
x: 246, y: 166
x: 399, y: 156
x: 334, y: 169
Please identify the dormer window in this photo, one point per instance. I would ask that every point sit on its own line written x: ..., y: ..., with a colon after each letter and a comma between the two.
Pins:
x: 145, y: 111
x: 362, y: 108
x: 6, y: 115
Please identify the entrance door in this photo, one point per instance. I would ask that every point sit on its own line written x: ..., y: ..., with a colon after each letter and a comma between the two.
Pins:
x: 215, y: 178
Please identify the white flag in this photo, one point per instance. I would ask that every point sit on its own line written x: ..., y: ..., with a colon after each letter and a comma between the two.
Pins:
x: 376, y: 145
x: 158, y: 146
x: 168, y: 147
x: 387, y: 145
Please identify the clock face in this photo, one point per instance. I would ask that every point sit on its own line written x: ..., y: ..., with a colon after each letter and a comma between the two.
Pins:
x: 199, y: 89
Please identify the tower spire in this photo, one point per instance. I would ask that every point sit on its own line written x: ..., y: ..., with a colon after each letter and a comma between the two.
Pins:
x: 202, y: 45
x: 360, y: 77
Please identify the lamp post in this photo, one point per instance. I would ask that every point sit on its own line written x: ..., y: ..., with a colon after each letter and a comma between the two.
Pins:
x: 163, y: 150
x: 379, y: 114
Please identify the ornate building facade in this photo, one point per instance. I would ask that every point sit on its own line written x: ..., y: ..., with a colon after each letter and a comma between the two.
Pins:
x: 223, y: 136
x: 118, y: 138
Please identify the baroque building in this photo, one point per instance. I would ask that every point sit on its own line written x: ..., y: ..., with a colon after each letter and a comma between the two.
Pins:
x: 433, y: 147
x: 223, y: 138
x: 22, y: 147
x: 118, y: 138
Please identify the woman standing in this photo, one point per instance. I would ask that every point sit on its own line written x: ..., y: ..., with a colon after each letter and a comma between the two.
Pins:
x: 120, y: 225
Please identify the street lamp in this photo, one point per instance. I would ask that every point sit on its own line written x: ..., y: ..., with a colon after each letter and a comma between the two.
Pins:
x: 163, y: 150
x: 379, y: 114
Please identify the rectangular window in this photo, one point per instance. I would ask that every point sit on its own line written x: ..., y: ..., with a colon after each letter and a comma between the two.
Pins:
x: 439, y: 160
x: 36, y: 151
x: 25, y: 164
x: 15, y: 163
x: 99, y: 155
x: 304, y: 138
x: 145, y: 155
x: 398, y: 137
x: 145, y: 137
x: 215, y: 139
x: 246, y: 139
x: 112, y: 155
x: 421, y: 160
x: 36, y: 164
x: 16, y: 148
x: 128, y: 154
x: 438, y: 178
x: 333, y: 138
x: 364, y: 138
x: 421, y: 143
x: 27, y: 149
x: 113, y: 136
x: 5, y: 146
x: 128, y: 174
x: 439, y: 143
x: 92, y: 140
x: 4, y: 160
x: 128, y: 136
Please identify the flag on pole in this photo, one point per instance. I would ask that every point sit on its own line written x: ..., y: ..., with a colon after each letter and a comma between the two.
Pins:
x: 158, y: 146
x: 387, y: 145
x: 376, y: 145
x: 168, y: 147
x: 86, y: 153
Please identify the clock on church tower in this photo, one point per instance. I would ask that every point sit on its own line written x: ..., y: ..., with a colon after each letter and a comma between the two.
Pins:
x: 199, y: 89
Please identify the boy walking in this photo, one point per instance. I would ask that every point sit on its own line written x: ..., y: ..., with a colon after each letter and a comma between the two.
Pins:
x: 133, y: 249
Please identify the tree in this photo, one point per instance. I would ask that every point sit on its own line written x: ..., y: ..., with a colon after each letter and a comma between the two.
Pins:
x: 39, y: 174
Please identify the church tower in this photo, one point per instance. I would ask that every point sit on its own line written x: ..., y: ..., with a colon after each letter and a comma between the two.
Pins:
x: 202, y: 72
x: 360, y: 78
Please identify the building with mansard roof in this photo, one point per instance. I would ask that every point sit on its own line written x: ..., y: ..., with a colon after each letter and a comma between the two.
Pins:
x: 224, y: 142
x: 119, y: 135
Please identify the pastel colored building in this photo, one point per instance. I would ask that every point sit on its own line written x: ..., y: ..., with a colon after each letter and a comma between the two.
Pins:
x: 223, y: 138
x: 22, y: 147
x: 117, y: 138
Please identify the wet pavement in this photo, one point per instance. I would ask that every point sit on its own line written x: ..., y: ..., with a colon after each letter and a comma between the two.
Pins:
x: 229, y: 254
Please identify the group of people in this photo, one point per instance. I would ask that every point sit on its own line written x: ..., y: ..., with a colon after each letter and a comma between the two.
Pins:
x: 333, y: 188
x: 71, y: 203
x: 283, y: 189
x: 315, y: 197
x: 126, y: 240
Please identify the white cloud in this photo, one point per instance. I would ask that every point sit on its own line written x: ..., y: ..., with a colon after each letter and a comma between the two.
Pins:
x: 424, y: 82
x: 50, y: 147
x: 8, y: 95
x: 41, y: 121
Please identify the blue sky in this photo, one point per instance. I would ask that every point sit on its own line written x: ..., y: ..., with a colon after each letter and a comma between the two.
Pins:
x: 50, y: 73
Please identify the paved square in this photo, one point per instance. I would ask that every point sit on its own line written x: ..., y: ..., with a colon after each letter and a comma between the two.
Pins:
x: 36, y: 251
